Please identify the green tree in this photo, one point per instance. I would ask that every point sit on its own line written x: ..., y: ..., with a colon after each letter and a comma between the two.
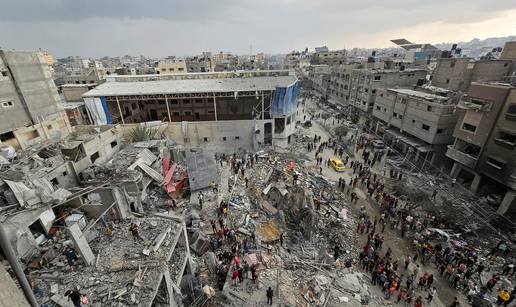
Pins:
x: 341, y: 131
x: 141, y: 133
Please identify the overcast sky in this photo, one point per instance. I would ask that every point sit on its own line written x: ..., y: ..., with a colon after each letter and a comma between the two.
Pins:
x: 94, y: 28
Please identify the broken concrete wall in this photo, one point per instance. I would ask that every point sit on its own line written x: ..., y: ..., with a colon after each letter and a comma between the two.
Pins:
x: 63, y: 175
x: 54, y: 127
x: 122, y: 205
x: 80, y: 243
x: 17, y: 229
x: 299, y: 211
x: 101, y: 147
x: 226, y: 136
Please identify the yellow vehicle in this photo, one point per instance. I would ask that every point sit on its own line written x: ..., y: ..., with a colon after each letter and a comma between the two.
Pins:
x: 337, y: 165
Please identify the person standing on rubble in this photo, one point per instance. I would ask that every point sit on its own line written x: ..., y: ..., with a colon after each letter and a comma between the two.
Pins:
x: 214, y: 226
x: 270, y: 294
x: 134, y: 229
x: 214, y: 188
x: 200, y: 197
x: 434, y: 194
x: 74, y: 296
x: 71, y: 257
x: 235, y: 277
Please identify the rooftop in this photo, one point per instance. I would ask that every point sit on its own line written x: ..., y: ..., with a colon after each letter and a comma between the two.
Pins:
x: 190, y: 86
x: 418, y: 94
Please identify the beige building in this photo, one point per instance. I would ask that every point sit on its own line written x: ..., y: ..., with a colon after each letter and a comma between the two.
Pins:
x: 49, y: 58
x: 172, y: 66
x: 485, y: 140
x: 456, y: 74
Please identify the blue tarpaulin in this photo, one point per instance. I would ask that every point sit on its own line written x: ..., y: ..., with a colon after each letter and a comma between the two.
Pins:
x: 106, y: 111
x: 284, y: 101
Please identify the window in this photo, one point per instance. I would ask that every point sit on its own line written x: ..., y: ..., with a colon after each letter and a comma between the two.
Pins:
x: 198, y: 101
x: 400, y: 116
x: 373, y: 91
x: 7, y: 104
x: 511, y: 112
x: 429, y: 108
x: 6, y: 136
x: 377, y: 78
x: 395, y: 114
x: 413, y: 121
x: 452, y: 64
x: 175, y: 102
x: 425, y: 127
x: 224, y: 138
x: 186, y: 140
x: 187, y: 113
x: 4, y: 73
x: 65, y: 173
x: 205, y: 139
x: 171, y: 69
x: 237, y: 138
x: 447, y: 81
x: 133, y: 105
x: 378, y: 108
x: 113, y: 144
x: 469, y: 127
x: 495, y: 163
x: 94, y: 157
x: 440, y: 131
x: 506, y: 138
x: 506, y: 64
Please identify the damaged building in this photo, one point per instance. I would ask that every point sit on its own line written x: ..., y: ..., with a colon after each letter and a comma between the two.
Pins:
x: 226, y: 110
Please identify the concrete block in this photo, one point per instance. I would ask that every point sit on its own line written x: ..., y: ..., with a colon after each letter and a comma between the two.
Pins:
x: 81, y: 244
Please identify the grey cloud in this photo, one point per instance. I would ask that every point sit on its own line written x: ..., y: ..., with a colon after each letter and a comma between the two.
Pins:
x: 181, y: 27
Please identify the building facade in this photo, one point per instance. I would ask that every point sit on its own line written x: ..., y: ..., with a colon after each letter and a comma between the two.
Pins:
x: 28, y: 94
x: 172, y: 66
x: 357, y: 86
x: 425, y: 120
x: 262, y: 103
x: 485, y: 139
x: 456, y: 74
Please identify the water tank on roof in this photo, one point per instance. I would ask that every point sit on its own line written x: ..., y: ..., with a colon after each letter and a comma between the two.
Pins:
x: 454, y: 46
x: 373, y: 53
x: 420, y: 82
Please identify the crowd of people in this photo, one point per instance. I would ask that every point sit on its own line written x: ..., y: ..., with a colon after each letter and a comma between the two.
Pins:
x: 459, y: 265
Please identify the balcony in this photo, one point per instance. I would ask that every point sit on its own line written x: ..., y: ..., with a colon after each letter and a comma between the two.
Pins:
x: 461, y: 157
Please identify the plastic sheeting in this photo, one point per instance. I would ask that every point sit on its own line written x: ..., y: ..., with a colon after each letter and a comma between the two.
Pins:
x: 98, y: 110
x: 284, y: 101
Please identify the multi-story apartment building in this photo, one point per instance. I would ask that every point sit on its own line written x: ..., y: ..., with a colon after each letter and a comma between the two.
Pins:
x: 171, y: 66
x: 355, y: 85
x: 485, y: 139
x: 199, y: 64
x: 336, y: 57
x: 456, y: 74
x: 28, y: 94
x: 418, y: 119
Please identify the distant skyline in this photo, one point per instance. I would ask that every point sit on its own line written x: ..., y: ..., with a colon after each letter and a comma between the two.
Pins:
x: 158, y: 28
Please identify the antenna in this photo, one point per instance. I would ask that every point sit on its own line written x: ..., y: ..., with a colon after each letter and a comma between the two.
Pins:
x: 251, y: 49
